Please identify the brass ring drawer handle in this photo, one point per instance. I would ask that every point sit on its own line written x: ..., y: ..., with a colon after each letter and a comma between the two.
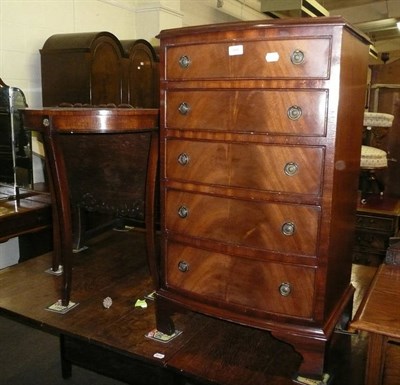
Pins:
x: 285, y: 289
x: 294, y: 112
x: 297, y: 57
x: 183, y: 266
x: 184, y: 108
x: 183, y: 212
x: 184, y: 61
x: 288, y: 228
x: 291, y: 168
x: 183, y: 159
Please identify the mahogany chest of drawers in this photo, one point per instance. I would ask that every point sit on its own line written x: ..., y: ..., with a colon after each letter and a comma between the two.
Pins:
x: 260, y: 151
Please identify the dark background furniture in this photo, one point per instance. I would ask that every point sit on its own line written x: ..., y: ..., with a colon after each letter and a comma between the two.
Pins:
x: 15, y: 143
x: 141, y: 63
x: 24, y: 211
x: 95, y: 68
x: 377, y: 222
x: 26, y: 214
x: 384, y: 97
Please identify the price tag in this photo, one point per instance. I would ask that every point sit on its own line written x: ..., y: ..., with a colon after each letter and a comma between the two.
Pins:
x: 235, y: 50
x: 272, y: 57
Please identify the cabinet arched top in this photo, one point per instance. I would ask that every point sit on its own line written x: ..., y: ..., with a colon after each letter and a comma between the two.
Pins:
x: 85, y: 41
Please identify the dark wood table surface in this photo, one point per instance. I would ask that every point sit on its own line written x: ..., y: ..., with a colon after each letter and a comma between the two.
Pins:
x: 209, y: 351
x: 379, y: 314
x: 28, y: 212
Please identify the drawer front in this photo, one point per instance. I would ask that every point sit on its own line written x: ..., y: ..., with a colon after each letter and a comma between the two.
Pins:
x: 287, y: 169
x: 285, y: 228
x: 265, y: 111
x: 285, y: 59
x: 269, y: 287
x: 375, y: 223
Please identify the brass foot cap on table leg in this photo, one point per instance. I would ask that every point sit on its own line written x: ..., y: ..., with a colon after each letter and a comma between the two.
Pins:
x: 326, y: 380
x: 57, y: 307
x: 55, y: 272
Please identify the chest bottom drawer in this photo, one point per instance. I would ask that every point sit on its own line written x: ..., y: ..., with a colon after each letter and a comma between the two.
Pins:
x: 249, y: 284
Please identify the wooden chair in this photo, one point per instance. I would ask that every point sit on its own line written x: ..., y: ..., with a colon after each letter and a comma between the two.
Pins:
x: 101, y: 160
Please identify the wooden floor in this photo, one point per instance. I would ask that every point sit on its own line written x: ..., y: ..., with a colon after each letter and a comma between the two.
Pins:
x: 112, y: 341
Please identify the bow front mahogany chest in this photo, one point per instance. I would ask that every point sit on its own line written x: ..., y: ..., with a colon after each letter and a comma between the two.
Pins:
x: 260, y: 151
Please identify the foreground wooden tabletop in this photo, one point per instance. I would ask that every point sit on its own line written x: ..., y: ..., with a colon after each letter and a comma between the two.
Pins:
x: 207, y: 351
x: 379, y: 315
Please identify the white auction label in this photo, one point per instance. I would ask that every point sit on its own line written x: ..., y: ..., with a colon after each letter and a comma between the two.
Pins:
x: 272, y: 56
x: 159, y: 355
x: 235, y: 50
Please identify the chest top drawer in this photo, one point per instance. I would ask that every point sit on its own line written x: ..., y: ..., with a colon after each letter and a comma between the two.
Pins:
x: 283, y: 59
x: 277, y: 112
x: 287, y: 169
x: 284, y: 228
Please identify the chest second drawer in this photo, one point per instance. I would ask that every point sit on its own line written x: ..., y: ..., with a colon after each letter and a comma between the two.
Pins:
x: 283, y: 112
x: 284, y: 228
x: 286, y: 169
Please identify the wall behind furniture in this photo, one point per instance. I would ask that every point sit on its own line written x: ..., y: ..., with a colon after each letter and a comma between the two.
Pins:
x: 26, y: 24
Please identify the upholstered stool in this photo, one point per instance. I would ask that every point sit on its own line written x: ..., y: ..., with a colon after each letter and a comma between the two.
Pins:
x: 377, y: 119
x: 372, y: 159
